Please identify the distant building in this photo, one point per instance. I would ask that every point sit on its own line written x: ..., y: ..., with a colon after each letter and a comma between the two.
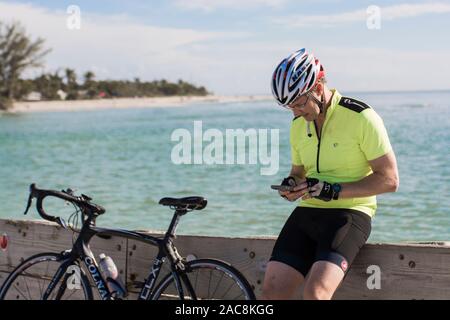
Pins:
x: 62, y: 95
x: 83, y: 94
x: 33, y: 96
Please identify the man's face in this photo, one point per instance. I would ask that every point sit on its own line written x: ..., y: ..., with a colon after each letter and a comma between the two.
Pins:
x: 304, y: 106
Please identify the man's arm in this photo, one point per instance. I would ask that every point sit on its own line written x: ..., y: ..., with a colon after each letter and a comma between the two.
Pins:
x: 298, y: 172
x: 383, y: 179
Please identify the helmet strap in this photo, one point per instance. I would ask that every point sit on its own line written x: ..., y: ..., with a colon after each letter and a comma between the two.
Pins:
x: 319, y: 103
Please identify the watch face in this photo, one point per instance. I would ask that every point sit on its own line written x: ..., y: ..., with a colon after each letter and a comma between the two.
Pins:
x: 337, y: 187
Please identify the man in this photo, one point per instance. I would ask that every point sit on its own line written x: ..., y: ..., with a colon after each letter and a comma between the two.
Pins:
x: 338, y: 166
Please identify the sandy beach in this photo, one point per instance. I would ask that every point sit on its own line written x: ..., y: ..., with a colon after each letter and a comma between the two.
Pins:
x: 122, y: 103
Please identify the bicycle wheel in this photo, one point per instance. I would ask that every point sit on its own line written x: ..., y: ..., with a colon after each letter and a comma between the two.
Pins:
x: 30, y: 280
x: 206, y: 279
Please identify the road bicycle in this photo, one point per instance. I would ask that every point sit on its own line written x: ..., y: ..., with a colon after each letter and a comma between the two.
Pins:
x: 49, y: 276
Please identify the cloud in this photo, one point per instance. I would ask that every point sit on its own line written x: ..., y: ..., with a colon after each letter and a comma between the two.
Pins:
x: 245, y: 68
x: 117, y: 47
x: 113, y: 46
x: 212, y: 5
x: 386, y: 13
x: 384, y: 69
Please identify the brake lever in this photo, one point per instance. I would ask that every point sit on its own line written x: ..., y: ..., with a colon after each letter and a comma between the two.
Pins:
x: 30, y: 200
x: 85, y: 197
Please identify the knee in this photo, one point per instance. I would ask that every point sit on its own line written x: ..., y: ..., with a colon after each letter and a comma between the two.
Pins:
x: 316, y: 293
x: 280, y: 281
x: 272, y: 291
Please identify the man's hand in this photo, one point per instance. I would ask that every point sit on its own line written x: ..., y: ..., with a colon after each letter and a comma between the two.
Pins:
x: 321, y: 190
x: 301, y: 187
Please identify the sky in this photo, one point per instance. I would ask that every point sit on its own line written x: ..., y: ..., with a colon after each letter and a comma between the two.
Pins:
x: 232, y: 46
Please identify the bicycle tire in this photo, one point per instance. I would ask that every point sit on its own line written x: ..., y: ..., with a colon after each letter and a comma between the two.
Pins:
x: 239, y: 289
x: 23, y: 281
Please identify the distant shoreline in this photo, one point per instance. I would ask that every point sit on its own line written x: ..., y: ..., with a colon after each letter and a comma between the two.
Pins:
x: 125, y: 103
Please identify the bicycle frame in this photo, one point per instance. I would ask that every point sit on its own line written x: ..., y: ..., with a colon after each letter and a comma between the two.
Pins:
x: 81, y: 251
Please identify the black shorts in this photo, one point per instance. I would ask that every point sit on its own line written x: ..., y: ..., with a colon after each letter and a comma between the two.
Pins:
x: 313, y: 234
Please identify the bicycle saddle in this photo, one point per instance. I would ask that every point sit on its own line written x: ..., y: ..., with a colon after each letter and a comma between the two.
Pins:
x: 192, y: 203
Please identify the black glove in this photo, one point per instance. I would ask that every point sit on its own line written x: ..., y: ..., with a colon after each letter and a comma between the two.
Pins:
x: 289, y: 181
x: 324, y: 191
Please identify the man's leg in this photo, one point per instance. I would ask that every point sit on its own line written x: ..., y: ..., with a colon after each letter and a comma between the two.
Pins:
x: 281, y: 281
x: 292, y: 256
x: 323, y: 280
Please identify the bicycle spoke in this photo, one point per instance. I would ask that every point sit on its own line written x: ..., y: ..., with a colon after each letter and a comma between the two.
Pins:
x: 28, y: 289
x: 237, y: 297
x: 217, y: 287
x: 46, y: 270
x: 41, y: 288
x: 209, y: 284
x: 226, y: 292
x: 20, y: 292
x: 196, y: 279
x: 73, y: 292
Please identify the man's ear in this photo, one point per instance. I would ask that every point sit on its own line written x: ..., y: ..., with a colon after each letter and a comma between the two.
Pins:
x: 319, y: 88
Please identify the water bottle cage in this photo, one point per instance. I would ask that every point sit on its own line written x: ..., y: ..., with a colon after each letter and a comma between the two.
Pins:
x: 115, y: 295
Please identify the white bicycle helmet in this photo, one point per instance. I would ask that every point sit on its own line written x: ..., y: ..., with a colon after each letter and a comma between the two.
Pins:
x: 295, y: 75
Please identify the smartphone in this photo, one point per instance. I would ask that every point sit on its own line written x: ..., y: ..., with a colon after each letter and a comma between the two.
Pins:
x: 282, y: 187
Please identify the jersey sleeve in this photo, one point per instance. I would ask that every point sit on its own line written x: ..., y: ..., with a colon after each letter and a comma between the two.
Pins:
x: 374, y: 141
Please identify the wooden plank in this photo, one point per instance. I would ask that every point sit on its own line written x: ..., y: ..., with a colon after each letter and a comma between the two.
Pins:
x: 408, y: 271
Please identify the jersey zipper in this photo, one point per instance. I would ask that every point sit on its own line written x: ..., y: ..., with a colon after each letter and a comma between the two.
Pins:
x: 319, y: 137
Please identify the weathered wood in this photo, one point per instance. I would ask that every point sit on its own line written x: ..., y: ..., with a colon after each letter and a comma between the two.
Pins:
x: 408, y: 271
x: 27, y: 238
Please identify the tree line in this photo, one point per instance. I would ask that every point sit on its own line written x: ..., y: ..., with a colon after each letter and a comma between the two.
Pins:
x: 18, y: 52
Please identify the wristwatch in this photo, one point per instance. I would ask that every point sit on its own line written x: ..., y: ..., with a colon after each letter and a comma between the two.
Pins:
x: 336, y: 189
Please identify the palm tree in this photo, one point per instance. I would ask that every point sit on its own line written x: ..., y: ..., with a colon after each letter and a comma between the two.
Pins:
x: 71, y: 84
x: 89, y: 84
x: 17, y: 53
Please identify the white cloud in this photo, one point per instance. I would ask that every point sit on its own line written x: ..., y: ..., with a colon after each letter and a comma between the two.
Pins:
x: 387, y: 13
x: 113, y: 46
x: 246, y: 68
x: 117, y: 47
x: 212, y: 5
x: 384, y: 69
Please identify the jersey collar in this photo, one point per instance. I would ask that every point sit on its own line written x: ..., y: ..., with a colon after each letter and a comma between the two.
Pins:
x: 334, y: 102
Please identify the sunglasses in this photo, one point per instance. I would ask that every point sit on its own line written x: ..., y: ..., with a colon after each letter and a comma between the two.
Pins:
x: 299, y: 106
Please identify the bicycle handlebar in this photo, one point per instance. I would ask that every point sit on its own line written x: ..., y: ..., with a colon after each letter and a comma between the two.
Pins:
x: 83, y: 202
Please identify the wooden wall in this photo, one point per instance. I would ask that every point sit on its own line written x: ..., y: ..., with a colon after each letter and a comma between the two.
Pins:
x: 408, y: 271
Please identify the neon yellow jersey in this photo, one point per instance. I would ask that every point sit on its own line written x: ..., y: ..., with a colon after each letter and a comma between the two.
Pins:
x: 352, y: 134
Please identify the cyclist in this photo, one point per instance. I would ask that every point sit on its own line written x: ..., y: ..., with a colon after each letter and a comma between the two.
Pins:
x: 341, y: 159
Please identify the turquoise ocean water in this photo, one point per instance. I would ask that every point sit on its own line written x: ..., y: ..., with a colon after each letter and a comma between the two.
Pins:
x: 122, y: 158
